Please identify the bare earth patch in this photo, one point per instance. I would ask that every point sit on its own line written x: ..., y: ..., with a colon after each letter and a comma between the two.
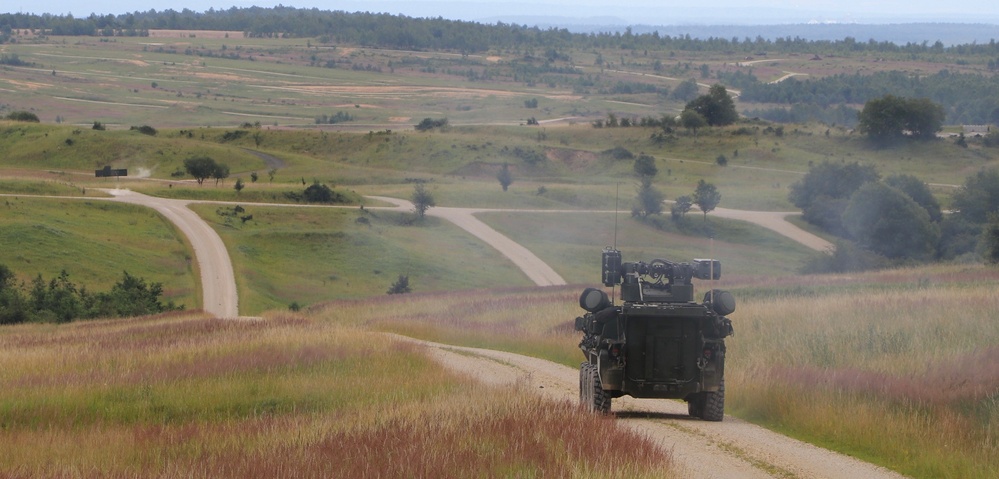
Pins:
x: 195, y: 34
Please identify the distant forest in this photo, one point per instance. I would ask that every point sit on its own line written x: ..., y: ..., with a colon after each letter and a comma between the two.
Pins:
x: 396, y: 31
x: 967, y: 98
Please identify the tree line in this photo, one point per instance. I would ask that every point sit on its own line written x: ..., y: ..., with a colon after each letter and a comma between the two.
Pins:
x: 967, y: 98
x: 896, y: 220
x: 59, y: 300
x: 397, y: 31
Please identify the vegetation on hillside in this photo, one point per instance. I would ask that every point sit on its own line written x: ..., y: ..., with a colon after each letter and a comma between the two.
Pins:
x: 965, y: 82
x: 290, y: 395
x: 895, y: 220
x: 61, y: 301
x: 875, y: 365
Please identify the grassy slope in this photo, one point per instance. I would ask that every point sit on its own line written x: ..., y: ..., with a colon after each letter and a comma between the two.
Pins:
x: 94, y: 241
x: 460, y: 163
x: 876, y: 365
x: 182, y: 396
x: 317, y: 254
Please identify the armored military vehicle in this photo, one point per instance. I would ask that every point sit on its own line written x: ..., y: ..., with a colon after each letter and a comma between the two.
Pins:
x: 659, y: 342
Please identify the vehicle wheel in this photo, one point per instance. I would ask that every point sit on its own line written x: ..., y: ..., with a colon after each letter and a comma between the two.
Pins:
x: 695, y: 405
x: 600, y: 400
x: 714, y: 404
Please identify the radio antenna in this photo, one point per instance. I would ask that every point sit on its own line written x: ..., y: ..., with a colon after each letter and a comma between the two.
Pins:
x: 617, y: 195
x: 711, y: 274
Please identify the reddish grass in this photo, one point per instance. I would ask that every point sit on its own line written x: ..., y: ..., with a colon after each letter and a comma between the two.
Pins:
x: 970, y: 378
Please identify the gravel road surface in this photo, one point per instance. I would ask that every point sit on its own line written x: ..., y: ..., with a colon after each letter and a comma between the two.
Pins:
x: 729, y: 449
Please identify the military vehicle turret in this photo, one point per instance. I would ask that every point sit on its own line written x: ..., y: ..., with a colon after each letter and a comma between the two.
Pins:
x: 659, y: 342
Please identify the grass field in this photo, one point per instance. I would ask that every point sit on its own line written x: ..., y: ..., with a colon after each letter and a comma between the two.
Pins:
x: 899, y: 368
x: 309, y: 255
x: 95, y: 241
x: 183, y: 395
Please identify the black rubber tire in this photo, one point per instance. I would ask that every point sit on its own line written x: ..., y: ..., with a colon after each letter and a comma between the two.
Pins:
x: 714, y: 404
x: 601, y: 401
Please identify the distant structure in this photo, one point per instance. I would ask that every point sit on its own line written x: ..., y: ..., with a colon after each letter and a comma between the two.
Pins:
x: 107, y: 171
x: 977, y: 129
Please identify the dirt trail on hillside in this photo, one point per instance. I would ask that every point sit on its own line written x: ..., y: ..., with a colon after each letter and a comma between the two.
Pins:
x: 218, y: 282
x: 544, y: 275
x: 729, y: 449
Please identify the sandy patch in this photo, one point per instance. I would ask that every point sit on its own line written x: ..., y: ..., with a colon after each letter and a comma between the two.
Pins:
x: 27, y: 85
x: 573, y: 159
x: 195, y: 34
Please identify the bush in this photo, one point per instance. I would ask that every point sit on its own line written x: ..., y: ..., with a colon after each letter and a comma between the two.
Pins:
x: 400, y: 286
x: 320, y: 193
x: 429, y: 124
x: 619, y: 153
x: 890, y: 223
x: 23, y: 116
x: 144, y: 129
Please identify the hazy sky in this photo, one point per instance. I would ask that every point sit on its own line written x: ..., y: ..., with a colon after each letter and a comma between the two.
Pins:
x: 661, y: 12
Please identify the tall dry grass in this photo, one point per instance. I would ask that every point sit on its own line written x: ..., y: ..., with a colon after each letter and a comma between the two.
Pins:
x: 898, y: 367
x: 532, y: 321
x: 905, y: 374
x: 288, y: 396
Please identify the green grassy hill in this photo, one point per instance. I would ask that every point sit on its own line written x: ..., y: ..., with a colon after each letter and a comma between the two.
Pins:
x: 564, y: 167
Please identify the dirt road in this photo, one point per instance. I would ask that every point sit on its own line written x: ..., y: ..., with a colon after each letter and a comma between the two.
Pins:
x: 730, y: 449
x: 544, y: 275
x: 218, y: 283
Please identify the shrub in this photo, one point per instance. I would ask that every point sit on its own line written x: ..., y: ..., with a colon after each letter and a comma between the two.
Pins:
x: 23, y: 116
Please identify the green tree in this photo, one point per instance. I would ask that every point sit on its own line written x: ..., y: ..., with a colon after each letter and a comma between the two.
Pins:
x: 422, y: 199
x: 685, y: 91
x: 706, y: 197
x: 649, y: 198
x: 823, y: 193
x: 645, y: 166
x: 919, y: 191
x: 888, y: 222
x: 131, y: 296
x: 716, y: 107
x: 979, y: 196
x: 254, y: 177
x: 681, y: 207
x: 891, y: 117
x: 505, y: 177
x: 58, y: 301
x: 990, y: 239
x: 220, y: 172
x: 239, y: 185
x: 692, y: 121
x: 200, y: 167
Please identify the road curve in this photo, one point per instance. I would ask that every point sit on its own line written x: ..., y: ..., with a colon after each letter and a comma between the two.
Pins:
x: 543, y: 275
x: 537, y: 270
x: 218, y: 282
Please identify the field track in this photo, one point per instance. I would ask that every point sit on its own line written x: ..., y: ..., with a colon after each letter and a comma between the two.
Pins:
x: 729, y: 449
